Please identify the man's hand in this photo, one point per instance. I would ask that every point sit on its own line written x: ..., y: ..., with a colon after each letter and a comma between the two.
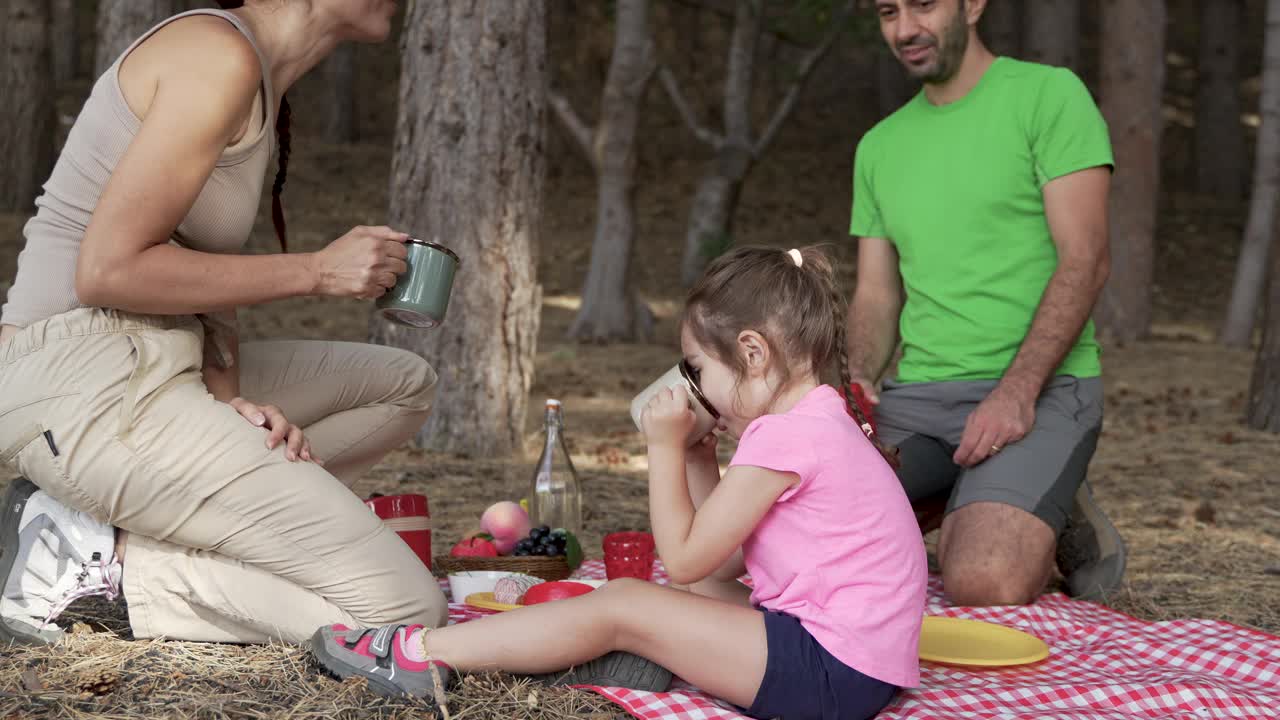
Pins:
x: 278, y: 427
x: 667, y: 419
x: 1004, y: 417
x: 868, y: 389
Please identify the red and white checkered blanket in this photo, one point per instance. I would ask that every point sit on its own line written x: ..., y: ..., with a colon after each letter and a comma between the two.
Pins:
x: 1103, y: 665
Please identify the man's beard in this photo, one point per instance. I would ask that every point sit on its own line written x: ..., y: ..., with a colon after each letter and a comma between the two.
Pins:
x: 950, y: 51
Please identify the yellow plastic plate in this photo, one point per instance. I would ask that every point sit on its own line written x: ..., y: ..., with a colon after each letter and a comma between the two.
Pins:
x: 955, y: 641
x: 485, y: 599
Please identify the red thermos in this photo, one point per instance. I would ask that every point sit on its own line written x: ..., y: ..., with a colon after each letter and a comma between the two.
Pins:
x: 410, y: 517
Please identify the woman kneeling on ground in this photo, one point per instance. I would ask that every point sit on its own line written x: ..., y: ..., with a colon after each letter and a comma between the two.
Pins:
x: 205, y: 480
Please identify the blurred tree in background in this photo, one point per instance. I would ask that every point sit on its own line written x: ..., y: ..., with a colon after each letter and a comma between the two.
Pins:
x: 468, y: 171
x: 26, y: 108
x: 120, y: 22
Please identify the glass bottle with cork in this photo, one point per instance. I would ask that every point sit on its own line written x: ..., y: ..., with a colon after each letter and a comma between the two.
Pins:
x: 555, y: 497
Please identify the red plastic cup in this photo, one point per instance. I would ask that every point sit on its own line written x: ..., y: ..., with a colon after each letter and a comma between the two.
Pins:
x: 410, y: 517
x: 628, y: 554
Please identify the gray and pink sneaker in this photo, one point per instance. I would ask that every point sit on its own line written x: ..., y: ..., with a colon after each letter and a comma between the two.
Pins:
x: 377, y: 654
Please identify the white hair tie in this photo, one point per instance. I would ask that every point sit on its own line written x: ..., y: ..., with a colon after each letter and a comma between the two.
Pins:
x: 796, y: 257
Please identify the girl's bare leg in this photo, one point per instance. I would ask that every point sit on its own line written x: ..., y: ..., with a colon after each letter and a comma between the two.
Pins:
x: 718, y: 646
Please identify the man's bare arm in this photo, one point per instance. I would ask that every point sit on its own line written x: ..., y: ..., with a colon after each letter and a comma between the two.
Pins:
x: 1076, y: 209
x: 871, y: 334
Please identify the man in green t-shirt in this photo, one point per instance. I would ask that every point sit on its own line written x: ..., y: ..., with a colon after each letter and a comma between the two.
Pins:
x: 981, y: 212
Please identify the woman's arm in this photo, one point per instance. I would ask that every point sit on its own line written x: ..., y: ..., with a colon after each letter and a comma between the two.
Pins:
x: 222, y: 382
x: 202, y: 96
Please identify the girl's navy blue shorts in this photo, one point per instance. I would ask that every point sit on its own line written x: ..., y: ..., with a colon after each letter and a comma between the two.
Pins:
x: 802, y: 681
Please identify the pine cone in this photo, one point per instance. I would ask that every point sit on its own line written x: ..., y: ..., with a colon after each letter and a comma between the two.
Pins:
x: 99, y: 683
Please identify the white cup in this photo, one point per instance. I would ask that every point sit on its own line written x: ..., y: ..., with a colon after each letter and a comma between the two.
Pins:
x: 705, y: 416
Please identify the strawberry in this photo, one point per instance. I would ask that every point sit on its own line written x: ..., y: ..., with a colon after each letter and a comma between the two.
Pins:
x: 474, y: 547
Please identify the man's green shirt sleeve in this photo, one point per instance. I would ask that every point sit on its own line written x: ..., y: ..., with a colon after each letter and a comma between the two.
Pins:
x: 866, y: 213
x: 1067, y: 131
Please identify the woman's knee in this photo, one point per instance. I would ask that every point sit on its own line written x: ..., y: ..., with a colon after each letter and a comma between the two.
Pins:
x: 417, y: 386
x: 396, y: 598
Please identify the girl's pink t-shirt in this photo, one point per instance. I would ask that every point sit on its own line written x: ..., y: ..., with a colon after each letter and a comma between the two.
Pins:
x: 841, y: 549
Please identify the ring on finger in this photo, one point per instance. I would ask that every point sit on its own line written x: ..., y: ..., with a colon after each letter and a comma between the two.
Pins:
x: 995, y: 449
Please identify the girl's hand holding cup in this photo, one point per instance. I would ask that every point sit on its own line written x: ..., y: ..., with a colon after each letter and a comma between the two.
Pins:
x: 362, y: 264
x: 667, y: 418
x: 704, y: 451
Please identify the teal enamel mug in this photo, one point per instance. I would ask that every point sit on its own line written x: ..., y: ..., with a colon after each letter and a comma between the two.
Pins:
x: 420, y: 297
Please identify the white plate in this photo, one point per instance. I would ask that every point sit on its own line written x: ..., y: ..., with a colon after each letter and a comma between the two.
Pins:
x: 462, y: 584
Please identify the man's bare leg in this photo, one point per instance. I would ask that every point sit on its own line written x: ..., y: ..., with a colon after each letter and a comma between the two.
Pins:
x: 994, y: 554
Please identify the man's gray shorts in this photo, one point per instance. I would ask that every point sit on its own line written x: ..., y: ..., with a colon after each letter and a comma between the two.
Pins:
x: 1039, y: 474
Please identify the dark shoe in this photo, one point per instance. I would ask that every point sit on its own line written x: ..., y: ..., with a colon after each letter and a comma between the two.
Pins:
x: 50, y: 556
x: 615, y: 669
x: 1091, y: 554
x: 930, y: 512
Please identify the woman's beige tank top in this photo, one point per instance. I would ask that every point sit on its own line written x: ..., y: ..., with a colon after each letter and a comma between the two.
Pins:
x: 219, y: 221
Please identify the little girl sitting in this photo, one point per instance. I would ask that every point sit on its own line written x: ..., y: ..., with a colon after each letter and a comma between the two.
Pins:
x: 809, y: 507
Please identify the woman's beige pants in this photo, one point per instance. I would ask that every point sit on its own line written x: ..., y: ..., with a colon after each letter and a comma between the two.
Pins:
x: 228, y: 541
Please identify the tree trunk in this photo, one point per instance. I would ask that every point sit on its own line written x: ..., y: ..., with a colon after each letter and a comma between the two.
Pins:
x: 710, y: 230
x: 1264, y: 388
x: 1132, y: 85
x: 27, y: 111
x: 736, y: 151
x: 120, y: 22
x: 468, y: 169
x: 717, y: 193
x: 1220, y: 153
x: 610, y: 309
x: 340, y: 75
x: 65, y: 41
x: 1002, y: 26
x: 1246, y: 291
x: 1053, y: 32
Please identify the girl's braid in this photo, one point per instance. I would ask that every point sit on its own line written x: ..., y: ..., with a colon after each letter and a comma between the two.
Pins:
x: 846, y: 381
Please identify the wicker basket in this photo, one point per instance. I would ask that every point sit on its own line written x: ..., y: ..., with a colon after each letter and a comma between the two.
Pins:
x: 547, y: 568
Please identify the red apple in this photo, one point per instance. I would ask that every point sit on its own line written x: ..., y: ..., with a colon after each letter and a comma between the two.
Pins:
x: 474, y: 547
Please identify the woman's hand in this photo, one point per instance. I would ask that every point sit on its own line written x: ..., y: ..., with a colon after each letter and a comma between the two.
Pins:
x: 363, y: 264
x: 279, y: 429
x: 667, y: 419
